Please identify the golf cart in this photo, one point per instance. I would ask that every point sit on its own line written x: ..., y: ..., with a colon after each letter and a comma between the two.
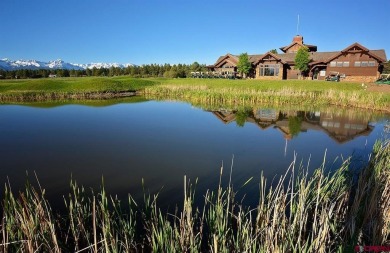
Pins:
x: 383, y: 79
x: 333, y: 76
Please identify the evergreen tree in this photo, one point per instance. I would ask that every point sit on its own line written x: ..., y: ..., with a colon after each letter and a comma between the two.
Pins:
x: 135, y: 71
x: 66, y: 73
x: 111, y: 71
x: 148, y: 70
x: 195, y: 67
x: 386, y: 67
x: 95, y: 71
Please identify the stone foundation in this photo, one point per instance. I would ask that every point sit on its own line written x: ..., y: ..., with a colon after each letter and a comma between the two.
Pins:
x: 360, y: 79
x: 268, y: 77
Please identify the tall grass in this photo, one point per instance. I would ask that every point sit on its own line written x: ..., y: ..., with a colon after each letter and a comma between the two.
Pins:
x: 369, y: 216
x: 299, y: 212
x: 275, y: 96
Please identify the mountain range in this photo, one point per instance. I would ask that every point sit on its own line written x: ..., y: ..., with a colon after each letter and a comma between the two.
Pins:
x: 7, y: 64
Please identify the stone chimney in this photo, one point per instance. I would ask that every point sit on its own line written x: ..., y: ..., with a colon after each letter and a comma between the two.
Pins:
x: 298, y: 39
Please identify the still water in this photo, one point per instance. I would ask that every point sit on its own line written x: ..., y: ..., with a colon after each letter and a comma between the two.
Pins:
x: 161, y: 141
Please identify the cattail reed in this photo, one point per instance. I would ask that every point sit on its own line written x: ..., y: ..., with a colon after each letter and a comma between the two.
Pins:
x: 299, y: 212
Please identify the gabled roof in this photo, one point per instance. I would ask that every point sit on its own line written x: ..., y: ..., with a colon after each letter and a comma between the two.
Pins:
x: 288, y: 57
x: 356, y: 47
x: 254, y: 58
x: 270, y: 55
x: 323, y: 56
x: 228, y: 57
x: 225, y: 117
x: 315, y: 57
x: 380, y: 53
x: 311, y: 47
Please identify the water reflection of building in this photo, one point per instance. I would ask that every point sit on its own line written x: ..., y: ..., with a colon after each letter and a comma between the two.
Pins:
x: 265, y: 117
x: 339, y: 127
x: 225, y: 116
x: 343, y: 129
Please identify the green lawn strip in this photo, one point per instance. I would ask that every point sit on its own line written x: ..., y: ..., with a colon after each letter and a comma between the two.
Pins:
x: 73, y: 85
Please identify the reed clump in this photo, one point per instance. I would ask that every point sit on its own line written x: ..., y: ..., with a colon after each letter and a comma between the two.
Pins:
x: 279, y: 97
x: 300, y: 212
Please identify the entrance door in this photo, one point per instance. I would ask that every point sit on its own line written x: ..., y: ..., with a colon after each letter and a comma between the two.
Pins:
x: 316, y: 73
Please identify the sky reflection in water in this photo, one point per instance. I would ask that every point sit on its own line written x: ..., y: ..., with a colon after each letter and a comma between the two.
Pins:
x: 163, y: 141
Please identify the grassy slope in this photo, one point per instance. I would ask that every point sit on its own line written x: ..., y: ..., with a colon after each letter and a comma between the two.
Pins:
x: 126, y: 83
x: 73, y: 85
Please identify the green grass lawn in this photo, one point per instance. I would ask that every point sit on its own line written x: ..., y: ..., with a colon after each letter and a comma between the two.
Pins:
x: 124, y: 83
x: 73, y: 85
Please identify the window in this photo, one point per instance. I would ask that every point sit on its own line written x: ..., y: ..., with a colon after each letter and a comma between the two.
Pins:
x: 365, y: 63
x: 339, y: 64
x: 269, y: 69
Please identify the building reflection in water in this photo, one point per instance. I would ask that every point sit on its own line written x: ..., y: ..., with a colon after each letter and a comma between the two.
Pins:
x: 341, y: 128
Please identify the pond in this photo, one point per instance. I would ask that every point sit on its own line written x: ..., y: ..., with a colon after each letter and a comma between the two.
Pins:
x: 128, y: 141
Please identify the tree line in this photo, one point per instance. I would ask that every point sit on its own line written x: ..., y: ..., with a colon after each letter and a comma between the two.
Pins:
x: 386, y: 67
x: 150, y: 70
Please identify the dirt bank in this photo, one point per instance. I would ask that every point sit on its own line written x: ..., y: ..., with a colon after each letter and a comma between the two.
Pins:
x: 378, y: 87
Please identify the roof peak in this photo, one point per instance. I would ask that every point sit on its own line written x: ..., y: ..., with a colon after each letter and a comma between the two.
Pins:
x: 298, y: 38
x: 298, y: 42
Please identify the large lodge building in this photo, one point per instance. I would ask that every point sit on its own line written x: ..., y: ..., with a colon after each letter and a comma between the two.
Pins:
x: 354, y: 63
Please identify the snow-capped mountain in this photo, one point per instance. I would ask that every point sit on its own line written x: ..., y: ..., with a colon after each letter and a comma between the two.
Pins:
x: 60, y: 64
x: 7, y: 64
x: 99, y: 65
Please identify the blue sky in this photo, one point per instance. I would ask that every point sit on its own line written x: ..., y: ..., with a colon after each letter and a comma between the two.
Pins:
x: 182, y: 31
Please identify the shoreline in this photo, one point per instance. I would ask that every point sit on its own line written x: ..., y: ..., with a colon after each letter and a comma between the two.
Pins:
x: 232, y: 92
x: 241, y: 100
